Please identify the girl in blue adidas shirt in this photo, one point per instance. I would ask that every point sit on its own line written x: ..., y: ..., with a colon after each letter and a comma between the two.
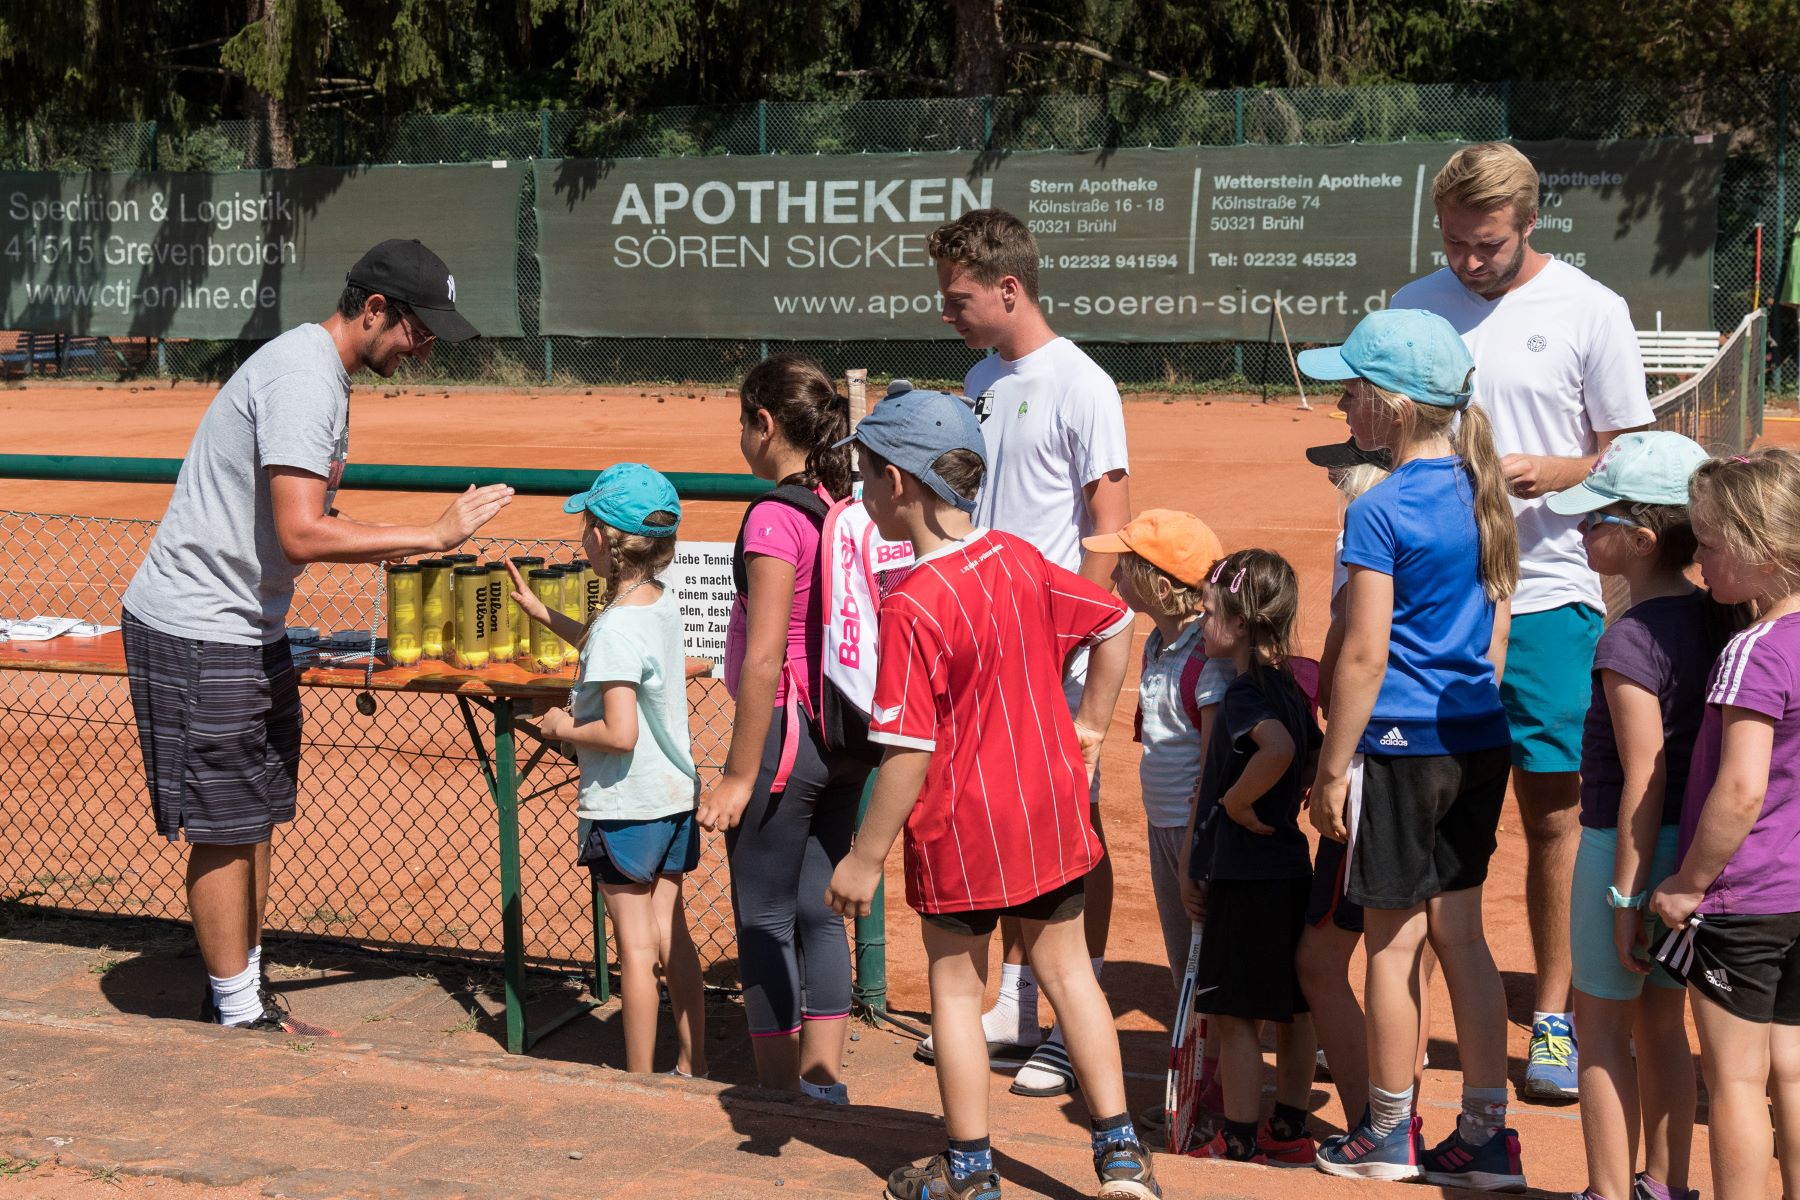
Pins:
x: 1413, y: 770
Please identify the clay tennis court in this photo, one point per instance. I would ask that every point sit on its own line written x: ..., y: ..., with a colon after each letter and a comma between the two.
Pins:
x: 1237, y: 463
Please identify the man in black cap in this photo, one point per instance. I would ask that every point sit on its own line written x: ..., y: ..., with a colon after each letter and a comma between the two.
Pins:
x: 205, y: 622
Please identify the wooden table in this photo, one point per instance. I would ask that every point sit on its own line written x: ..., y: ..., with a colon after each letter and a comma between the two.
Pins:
x: 497, y: 689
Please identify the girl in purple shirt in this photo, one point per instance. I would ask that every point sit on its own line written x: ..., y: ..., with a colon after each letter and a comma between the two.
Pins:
x: 1735, y: 899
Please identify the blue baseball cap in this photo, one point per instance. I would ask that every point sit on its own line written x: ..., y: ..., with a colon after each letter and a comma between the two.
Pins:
x: 1651, y: 467
x: 912, y: 427
x: 1405, y: 350
x: 624, y: 495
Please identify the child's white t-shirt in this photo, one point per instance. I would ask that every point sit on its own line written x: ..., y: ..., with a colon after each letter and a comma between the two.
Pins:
x: 1170, y: 768
x: 1555, y: 360
x: 641, y: 645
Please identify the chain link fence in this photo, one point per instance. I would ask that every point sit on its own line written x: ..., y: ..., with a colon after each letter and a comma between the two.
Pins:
x: 1751, y: 114
x: 395, y: 844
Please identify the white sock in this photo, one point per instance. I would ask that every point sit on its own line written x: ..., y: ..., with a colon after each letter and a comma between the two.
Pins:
x: 1567, y: 1016
x: 256, y: 959
x: 831, y: 1093
x: 236, y: 998
x: 1014, y: 1015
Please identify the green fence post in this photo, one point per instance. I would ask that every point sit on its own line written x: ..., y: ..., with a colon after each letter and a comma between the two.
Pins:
x: 152, y: 125
x: 870, y: 988
x: 987, y: 122
x: 1781, y: 215
x: 1505, y: 110
x: 544, y: 152
x: 762, y: 126
x: 1237, y: 138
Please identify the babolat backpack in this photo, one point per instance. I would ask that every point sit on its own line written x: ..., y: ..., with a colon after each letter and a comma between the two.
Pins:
x: 855, y: 568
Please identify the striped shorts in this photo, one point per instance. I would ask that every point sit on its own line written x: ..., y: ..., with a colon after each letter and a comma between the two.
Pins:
x: 219, y: 725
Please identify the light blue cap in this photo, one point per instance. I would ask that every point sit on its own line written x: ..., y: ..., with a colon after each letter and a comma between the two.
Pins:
x: 1652, y: 467
x: 1405, y: 350
x: 624, y: 495
x: 912, y: 428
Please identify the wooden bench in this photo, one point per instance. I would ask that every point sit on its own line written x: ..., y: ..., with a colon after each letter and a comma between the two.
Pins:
x: 1677, y: 352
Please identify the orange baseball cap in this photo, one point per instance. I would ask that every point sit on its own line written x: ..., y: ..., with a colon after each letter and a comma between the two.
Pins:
x: 1176, y: 542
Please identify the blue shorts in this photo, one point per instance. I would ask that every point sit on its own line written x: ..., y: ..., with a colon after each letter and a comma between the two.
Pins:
x: 1598, y: 971
x: 1547, y: 684
x: 627, y: 852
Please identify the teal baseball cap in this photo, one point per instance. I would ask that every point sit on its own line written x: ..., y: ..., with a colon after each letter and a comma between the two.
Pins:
x: 624, y: 495
x: 1405, y: 350
x: 1652, y: 467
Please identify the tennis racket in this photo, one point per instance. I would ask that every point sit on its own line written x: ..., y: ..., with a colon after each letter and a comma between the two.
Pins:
x: 1181, y: 1094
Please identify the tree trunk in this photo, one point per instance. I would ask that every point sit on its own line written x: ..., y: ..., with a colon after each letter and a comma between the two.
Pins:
x: 979, y: 68
x: 270, y: 109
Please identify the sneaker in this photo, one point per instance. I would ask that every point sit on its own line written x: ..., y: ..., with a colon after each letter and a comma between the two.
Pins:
x: 1125, y: 1173
x: 277, y: 1019
x: 931, y: 1180
x: 1364, y: 1154
x: 1645, y: 1188
x: 1285, y: 1152
x: 1002, y: 1056
x: 1219, y: 1149
x: 1552, y: 1070
x: 1048, y: 1072
x: 1493, y: 1166
x: 826, y: 1093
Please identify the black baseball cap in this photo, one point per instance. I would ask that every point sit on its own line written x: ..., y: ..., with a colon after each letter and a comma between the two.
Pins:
x: 1347, y: 453
x: 403, y: 269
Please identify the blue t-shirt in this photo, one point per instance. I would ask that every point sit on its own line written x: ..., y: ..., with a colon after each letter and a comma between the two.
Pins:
x: 1439, y: 695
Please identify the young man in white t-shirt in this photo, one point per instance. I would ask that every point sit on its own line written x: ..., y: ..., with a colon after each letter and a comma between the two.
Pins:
x: 1559, y: 373
x: 1057, y: 472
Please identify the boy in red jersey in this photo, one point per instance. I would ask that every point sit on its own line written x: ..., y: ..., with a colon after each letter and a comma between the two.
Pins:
x: 989, y: 775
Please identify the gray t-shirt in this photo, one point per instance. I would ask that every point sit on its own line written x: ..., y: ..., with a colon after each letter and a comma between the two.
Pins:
x: 216, y: 571
x: 640, y: 645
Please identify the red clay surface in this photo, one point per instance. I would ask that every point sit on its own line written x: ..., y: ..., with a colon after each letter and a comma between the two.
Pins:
x: 1237, y: 464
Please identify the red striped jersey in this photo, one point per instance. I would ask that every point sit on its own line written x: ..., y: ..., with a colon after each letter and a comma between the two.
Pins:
x: 972, y: 649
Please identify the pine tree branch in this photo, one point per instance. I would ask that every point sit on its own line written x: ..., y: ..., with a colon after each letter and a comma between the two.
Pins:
x: 1093, y: 52
x: 936, y: 85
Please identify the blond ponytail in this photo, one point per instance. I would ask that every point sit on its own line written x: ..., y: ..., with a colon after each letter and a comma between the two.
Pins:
x: 1473, y: 439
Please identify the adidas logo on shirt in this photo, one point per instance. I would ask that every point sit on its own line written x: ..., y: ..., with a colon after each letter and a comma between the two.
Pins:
x: 1393, y: 737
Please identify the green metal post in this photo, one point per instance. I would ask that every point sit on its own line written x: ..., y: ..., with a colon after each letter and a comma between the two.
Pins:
x: 987, y: 122
x: 1782, y: 229
x: 152, y: 125
x: 602, y: 979
x: 1505, y: 110
x: 512, y: 916
x: 1237, y: 137
x: 870, y: 988
x: 762, y: 126
x: 544, y: 152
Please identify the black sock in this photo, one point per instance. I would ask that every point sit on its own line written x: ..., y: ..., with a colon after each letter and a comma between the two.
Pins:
x: 1287, y: 1122
x: 1240, y: 1139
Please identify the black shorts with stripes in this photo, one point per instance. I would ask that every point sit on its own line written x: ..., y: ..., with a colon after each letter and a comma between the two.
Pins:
x: 219, y: 725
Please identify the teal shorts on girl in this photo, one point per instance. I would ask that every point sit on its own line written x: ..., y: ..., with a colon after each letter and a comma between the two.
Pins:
x: 1547, y: 684
x: 1598, y: 971
x: 627, y: 852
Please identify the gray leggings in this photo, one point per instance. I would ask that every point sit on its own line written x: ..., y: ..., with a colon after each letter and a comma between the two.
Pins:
x: 793, y: 955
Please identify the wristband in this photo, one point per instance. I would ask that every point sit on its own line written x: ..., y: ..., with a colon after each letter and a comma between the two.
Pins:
x: 1617, y: 899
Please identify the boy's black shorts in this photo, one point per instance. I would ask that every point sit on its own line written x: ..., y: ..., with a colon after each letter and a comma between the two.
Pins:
x: 1422, y: 825
x: 1057, y: 904
x: 1247, y: 950
x: 1749, y: 965
x: 1328, y: 905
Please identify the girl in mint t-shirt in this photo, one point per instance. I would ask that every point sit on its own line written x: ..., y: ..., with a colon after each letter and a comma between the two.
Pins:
x: 628, y: 721
x: 1735, y: 898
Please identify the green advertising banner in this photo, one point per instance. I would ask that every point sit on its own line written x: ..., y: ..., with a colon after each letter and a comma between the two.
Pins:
x: 1136, y: 245
x: 243, y: 254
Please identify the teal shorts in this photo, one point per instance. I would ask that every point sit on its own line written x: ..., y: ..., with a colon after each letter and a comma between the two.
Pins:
x: 1547, y: 684
x: 1598, y: 971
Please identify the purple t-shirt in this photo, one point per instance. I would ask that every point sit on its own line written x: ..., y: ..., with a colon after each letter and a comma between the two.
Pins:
x: 1665, y: 646
x: 782, y: 531
x: 1758, y: 670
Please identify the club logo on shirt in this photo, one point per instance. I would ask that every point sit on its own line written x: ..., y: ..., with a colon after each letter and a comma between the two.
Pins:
x: 884, y: 715
x: 1024, y: 405
x: 1536, y: 343
x: 984, y: 405
x: 1393, y: 737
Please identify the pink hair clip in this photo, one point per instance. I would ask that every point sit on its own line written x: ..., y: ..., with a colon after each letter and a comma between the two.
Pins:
x: 1740, y: 458
x: 1218, y: 570
x: 1238, y: 580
